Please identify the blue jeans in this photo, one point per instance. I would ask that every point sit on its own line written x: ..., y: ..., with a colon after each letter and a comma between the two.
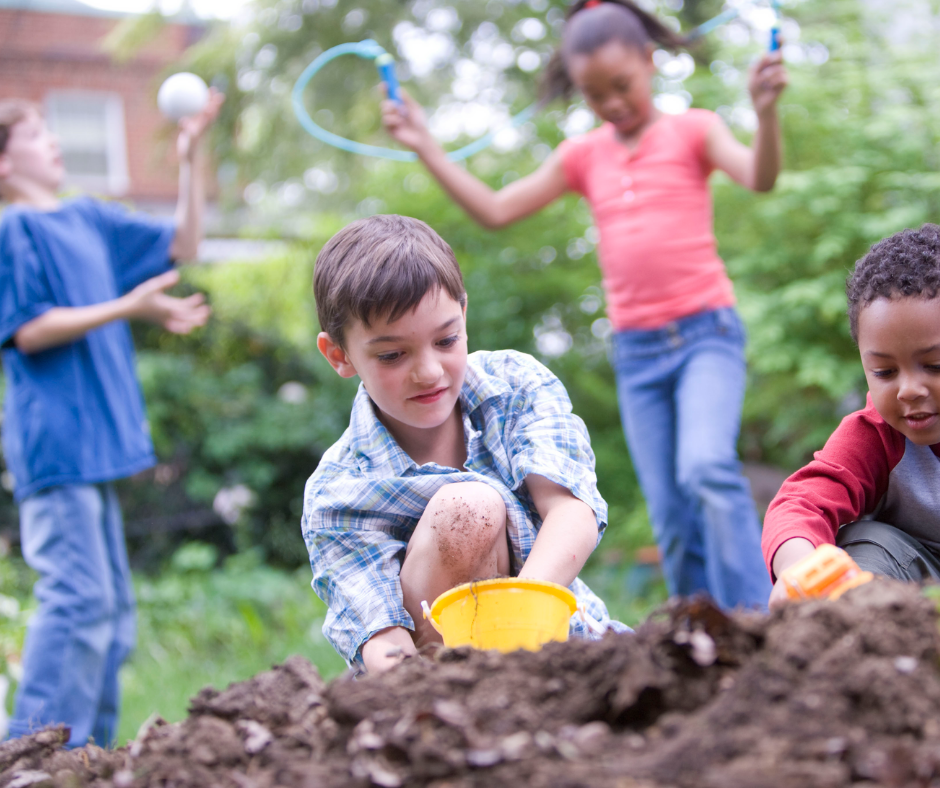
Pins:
x: 681, y: 388
x: 84, y: 628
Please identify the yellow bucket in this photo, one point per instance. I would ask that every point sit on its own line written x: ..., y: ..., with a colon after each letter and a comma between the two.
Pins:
x: 505, y: 614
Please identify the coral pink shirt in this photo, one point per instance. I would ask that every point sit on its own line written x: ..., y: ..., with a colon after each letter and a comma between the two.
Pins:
x: 653, y: 211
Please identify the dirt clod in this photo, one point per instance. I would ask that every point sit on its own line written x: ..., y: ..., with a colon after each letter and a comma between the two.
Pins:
x: 819, y: 695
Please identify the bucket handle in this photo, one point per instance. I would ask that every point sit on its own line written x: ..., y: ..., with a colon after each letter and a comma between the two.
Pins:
x: 426, y: 610
x: 593, y: 624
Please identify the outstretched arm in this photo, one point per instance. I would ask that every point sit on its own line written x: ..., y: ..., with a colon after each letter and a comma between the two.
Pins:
x: 61, y: 325
x: 756, y: 167
x: 192, y: 179
x: 484, y: 205
x: 567, y: 537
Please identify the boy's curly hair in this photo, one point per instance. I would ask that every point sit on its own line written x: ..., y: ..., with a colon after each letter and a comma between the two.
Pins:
x: 906, y: 265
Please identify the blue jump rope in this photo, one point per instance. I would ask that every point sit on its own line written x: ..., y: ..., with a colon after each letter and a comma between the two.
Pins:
x: 385, y: 63
x: 775, y: 30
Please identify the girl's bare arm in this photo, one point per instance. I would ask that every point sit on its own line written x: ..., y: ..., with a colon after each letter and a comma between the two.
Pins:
x: 488, y: 207
x: 756, y: 167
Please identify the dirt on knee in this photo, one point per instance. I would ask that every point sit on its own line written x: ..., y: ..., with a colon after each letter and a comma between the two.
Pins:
x: 466, y: 527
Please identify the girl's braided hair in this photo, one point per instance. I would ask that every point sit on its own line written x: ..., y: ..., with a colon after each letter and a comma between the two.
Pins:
x: 589, y: 25
x: 905, y: 265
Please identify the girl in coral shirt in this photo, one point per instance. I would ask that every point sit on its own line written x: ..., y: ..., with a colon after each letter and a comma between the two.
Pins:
x: 678, y: 347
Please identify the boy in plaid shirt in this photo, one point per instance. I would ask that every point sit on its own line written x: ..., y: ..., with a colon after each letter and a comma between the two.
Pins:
x: 454, y: 467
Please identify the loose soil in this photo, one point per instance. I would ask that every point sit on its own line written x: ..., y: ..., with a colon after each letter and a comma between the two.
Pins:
x: 822, y: 694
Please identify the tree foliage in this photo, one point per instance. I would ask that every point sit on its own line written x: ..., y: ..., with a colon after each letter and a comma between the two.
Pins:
x: 859, y: 122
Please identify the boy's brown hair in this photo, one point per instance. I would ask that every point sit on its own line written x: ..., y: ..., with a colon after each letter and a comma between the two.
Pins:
x: 12, y: 111
x: 381, y: 267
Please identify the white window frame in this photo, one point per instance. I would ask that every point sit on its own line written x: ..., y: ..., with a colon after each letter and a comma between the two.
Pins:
x: 117, y: 180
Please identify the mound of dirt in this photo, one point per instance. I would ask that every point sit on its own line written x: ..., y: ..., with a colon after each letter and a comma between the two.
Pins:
x: 820, y: 695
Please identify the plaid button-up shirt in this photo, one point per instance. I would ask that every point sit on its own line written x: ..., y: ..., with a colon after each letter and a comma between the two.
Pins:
x: 365, y: 498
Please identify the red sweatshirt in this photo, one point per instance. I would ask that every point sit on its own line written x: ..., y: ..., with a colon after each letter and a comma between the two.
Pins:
x: 866, y: 468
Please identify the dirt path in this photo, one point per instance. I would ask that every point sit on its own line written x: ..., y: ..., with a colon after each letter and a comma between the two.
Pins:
x: 819, y: 696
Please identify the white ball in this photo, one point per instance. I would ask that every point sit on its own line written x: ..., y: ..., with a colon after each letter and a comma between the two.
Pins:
x: 182, y: 95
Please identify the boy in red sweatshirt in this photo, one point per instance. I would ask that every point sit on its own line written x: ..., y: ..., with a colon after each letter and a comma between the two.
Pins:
x: 874, y: 488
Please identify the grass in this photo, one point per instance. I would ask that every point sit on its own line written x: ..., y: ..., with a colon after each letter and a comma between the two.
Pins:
x: 197, y: 626
x: 201, y: 625
x: 16, y: 582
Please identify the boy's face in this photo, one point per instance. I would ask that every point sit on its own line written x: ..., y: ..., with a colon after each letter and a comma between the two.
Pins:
x: 899, y: 341
x: 413, y: 368
x: 32, y: 157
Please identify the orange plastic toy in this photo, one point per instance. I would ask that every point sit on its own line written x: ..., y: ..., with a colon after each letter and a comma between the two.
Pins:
x: 827, y: 572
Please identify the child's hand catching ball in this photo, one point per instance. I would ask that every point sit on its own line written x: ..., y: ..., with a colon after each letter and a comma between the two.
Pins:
x: 185, y: 98
x: 193, y: 127
x: 182, y: 95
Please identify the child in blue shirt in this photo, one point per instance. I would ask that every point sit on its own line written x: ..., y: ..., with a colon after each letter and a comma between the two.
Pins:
x: 71, y: 275
x: 454, y: 467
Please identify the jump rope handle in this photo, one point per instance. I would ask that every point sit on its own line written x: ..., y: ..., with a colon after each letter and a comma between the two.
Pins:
x: 385, y: 63
x: 774, y: 39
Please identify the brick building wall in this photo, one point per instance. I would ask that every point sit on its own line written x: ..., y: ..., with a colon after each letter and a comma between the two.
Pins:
x: 49, y: 53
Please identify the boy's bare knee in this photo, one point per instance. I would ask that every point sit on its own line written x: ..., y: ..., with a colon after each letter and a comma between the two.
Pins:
x: 470, y: 499
x: 466, y: 519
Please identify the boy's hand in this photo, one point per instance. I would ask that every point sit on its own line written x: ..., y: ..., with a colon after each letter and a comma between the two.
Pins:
x: 387, y: 648
x: 406, y: 124
x: 193, y: 128
x: 789, y: 553
x: 767, y: 81
x: 148, y: 302
x: 778, y: 596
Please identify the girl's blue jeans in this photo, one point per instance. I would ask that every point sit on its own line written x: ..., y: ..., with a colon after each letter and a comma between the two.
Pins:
x: 681, y: 388
x: 84, y: 628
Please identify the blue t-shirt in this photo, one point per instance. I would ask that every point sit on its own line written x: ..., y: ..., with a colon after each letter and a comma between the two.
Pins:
x: 74, y: 414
